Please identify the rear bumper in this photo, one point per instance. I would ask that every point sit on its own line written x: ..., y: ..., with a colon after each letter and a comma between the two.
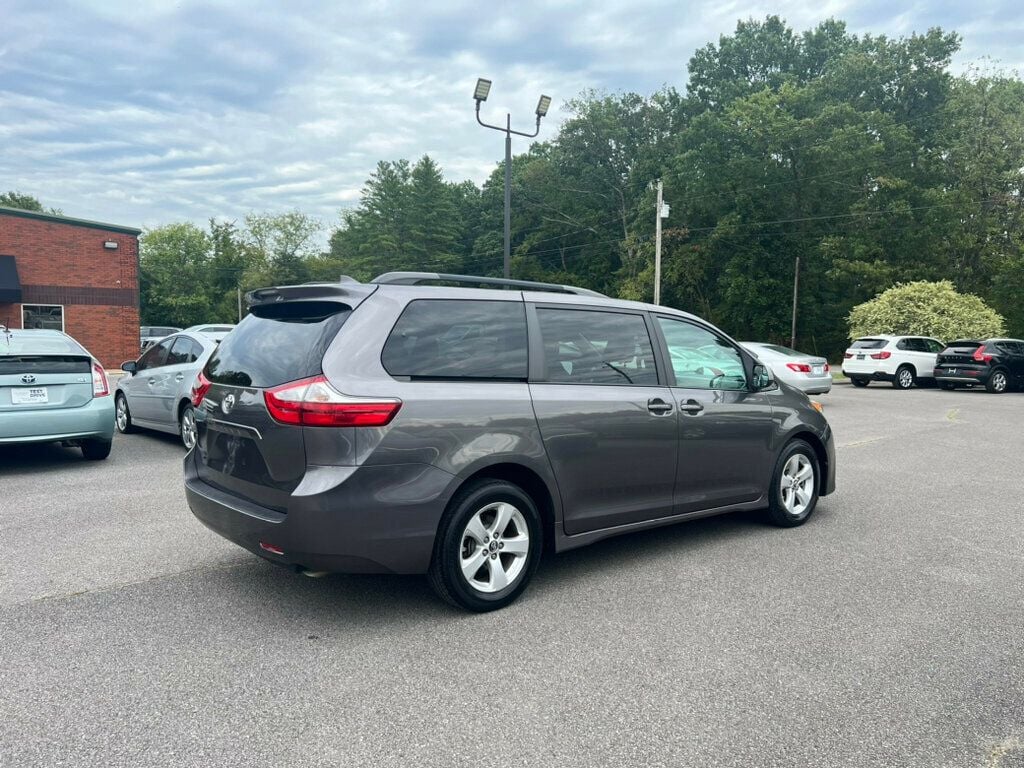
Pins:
x: 92, y: 421
x: 380, y: 519
x: 963, y: 375
x: 812, y: 386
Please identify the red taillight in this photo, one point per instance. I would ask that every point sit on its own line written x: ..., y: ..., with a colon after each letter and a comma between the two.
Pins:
x: 799, y: 367
x: 272, y: 548
x: 100, y: 388
x: 827, y: 368
x: 980, y: 356
x: 881, y: 355
x: 199, y: 389
x: 315, y: 403
x: 848, y: 355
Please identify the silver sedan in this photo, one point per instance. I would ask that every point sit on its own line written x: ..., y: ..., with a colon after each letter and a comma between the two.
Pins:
x: 155, y: 391
x: 808, y: 373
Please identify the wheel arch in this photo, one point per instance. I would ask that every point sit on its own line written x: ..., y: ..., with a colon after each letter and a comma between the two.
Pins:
x: 819, y: 450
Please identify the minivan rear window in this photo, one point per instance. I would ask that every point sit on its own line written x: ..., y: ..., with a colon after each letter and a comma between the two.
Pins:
x: 458, y: 339
x: 277, y: 343
x: 868, y: 344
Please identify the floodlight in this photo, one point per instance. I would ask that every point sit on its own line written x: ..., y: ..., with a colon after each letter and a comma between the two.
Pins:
x: 543, y: 105
x: 483, y: 87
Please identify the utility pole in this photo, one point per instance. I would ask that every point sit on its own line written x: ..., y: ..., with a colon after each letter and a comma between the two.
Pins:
x: 661, y: 212
x: 796, y: 286
x: 483, y: 88
x: 239, y: 289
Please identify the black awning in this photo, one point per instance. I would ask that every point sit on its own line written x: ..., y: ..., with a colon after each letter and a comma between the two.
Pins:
x: 10, y: 285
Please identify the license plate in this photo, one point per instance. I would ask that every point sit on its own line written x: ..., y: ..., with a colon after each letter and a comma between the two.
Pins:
x: 817, y: 370
x: 860, y: 357
x: 29, y: 395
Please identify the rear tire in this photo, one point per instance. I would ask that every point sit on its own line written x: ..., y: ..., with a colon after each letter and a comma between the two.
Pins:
x: 96, y: 450
x: 998, y: 382
x: 904, y: 378
x: 859, y: 382
x: 187, y: 427
x: 122, y: 416
x: 793, y: 495
x: 488, y: 546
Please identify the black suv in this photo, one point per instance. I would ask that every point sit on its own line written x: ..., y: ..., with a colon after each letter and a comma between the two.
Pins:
x: 997, y: 364
x: 427, y: 423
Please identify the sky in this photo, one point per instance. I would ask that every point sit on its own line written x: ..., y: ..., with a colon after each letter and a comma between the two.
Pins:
x: 145, y: 113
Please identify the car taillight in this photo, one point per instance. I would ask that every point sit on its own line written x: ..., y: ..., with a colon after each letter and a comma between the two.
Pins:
x: 848, y: 355
x: 799, y: 367
x: 100, y: 388
x: 199, y: 389
x: 314, y: 402
x: 881, y: 355
x: 827, y: 368
x: 980, y: 356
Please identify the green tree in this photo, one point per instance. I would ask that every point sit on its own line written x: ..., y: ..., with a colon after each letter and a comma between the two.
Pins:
x: 14, y: 199
x: 175, y: 285
x: 926, y: 309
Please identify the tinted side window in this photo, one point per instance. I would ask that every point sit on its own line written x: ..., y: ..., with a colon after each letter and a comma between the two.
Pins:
x: 181, y: 352
x: 700, y: 358
x: 155, y: 356
x: 934, y: 346
x: 587, y: 347
x: 458, y: 339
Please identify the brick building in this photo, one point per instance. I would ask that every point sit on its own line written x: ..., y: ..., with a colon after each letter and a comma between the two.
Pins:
x: 78, y: 276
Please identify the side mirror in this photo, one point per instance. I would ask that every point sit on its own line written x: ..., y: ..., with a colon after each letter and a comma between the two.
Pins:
x: 130, y: 367
x: 762, y: 378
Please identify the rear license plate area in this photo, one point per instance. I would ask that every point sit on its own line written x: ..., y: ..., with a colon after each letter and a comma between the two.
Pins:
x: 30, y: 396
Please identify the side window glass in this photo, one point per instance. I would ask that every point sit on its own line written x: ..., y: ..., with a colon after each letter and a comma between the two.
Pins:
x: 905, y: 344
x: 934, y: 346
x: 700, y: 358
x: 180, y: 351
x: 588, y: 347
x: 156, y: 355
x: 458, y: 339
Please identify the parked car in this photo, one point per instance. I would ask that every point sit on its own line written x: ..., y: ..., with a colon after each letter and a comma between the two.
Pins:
x: 808, y: 373
x: 996, y: 364
x: 457, y: 430
x: 53, y: 390
x: 902, y: 360
x: 154, y: 392
x: 215, y: 332
x: 151, y: 334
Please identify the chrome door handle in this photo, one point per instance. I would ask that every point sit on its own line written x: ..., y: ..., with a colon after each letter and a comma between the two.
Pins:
x: 691, y: 407
x: 658, y: 407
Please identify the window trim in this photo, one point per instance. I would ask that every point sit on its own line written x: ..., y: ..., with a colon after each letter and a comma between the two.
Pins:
x: 407, y: 378
x: 745, y: 358
x: 63, y: 318
x: 538, y: 362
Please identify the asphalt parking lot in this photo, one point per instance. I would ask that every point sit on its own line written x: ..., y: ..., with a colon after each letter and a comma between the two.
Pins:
x: 888, y: 631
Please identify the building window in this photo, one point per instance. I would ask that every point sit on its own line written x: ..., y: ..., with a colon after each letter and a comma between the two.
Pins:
x: 49, y: 316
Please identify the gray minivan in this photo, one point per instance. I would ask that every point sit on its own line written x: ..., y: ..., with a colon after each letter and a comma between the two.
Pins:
x: 459, y: 426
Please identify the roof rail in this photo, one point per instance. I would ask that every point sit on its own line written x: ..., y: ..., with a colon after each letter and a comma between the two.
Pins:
x: 420, y: 278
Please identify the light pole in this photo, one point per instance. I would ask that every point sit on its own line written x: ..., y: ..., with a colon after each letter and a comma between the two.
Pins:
x: 483, y: 88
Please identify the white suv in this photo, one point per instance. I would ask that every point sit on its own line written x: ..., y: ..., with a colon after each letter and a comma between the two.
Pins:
x: 903, y: 360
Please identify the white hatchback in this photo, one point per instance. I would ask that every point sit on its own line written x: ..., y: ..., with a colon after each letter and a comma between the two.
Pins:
x: 902, y: 360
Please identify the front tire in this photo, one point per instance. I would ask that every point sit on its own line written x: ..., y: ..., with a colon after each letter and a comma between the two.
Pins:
x: 997, y: 383
x: 488, y: 546
x: 904, y: 378
x: 122, y: 416
x: 794, y: 491
x: 859, y: 382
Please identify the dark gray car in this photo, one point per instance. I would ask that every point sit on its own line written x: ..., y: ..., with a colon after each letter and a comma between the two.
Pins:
x: 415, y: 424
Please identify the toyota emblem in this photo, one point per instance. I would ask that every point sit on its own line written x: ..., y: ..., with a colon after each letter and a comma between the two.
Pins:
x: 28, y: 378
x: 227, y: 404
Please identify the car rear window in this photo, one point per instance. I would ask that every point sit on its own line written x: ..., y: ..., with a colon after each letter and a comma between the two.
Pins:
x: 277, y: 343
x: 869, y: 344
x: 964, y: 344
x: 458, y: 339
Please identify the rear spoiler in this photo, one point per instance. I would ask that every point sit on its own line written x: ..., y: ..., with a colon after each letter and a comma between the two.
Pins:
x: 351, y: 293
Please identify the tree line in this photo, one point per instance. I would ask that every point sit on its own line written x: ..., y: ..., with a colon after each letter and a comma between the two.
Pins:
x: 863, y: 155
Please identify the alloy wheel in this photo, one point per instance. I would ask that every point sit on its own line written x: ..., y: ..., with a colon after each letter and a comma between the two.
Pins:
x: 121, y: 414
x: 188, y: 428
x: 906, y: 378
x: 998, y: 381
x: 494, y: 547
x: 797, y: 484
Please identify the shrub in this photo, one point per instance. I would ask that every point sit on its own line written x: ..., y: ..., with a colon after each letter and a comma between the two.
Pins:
x: 926, y: 309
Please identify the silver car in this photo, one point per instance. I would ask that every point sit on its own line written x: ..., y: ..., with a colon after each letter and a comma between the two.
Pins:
x: 808, y: 373
x: 215, y: 332
x: 155, y: 391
